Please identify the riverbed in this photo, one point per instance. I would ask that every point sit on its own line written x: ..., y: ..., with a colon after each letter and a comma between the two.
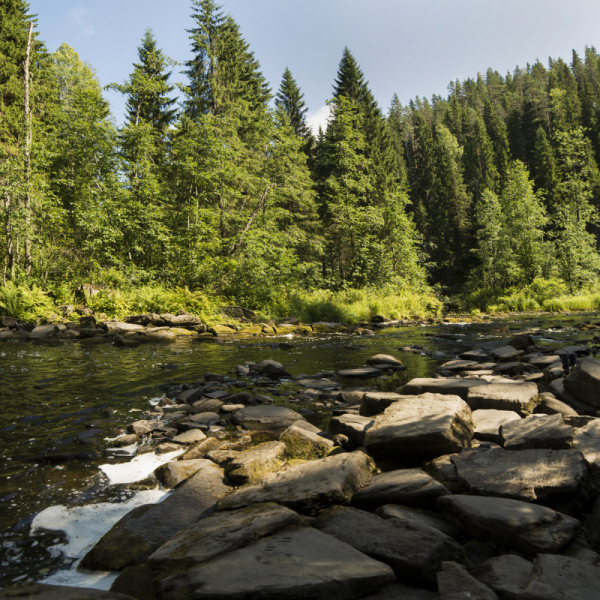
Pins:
x: 52, y: 394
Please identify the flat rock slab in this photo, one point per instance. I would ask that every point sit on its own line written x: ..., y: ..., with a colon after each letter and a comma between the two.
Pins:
x: 374, y: 403
x: 362, y: 373
x: 267, y: 417
x: 456, y: 583
x: 256, y: 462
x: 42, y: 591
x: 411, y: 487
x: 562, y: 578
x: 454, y: 386
x: 142, y: 531
x: 587, y: 440
x: 518, y: 397
x: 425, y: 517
x: 459, y: 365
x: 319, y: 384
x: 521, y: 475
x: 205, y: 418
x: 220, y: 533
x: 507, y: 575
x: 537, y: 432
x: 528, y: 528
x: 421, y: 428
x: 543, y: 361
x: 295, y: 565
x: 414, y: 551
x: 488, y: 422
x: 479, y: 356
x: 584, y: 381
x: 193, y: 436
x: 353, y: 426
x: 307, y: 487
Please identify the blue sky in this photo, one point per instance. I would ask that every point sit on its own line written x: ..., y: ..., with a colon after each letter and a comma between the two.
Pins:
x: 408, y: 47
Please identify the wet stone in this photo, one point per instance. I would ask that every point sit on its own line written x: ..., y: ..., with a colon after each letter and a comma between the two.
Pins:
x: 362, y: 373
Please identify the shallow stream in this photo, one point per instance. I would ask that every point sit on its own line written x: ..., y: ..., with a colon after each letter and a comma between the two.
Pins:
x: 51, y: 393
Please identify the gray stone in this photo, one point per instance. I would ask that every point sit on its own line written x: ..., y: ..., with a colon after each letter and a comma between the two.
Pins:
x: 143, y: 530
x: 353, y: 426
x: 584, y: 381
x: 420, y: 428
x: 210, y: 405
x: 43, y: 332
x: 167, y: 447
x: 453, y: 386
x: 190, y: 396
x: 42, y: 591
x: 455, y: 583
x: 528, y: 528
x: 505, y: 354
x: 270, y: 368
x: 384, y: 359
x: 459, y: 365
x: 137, y: 581
x: 425, y: 517
x: 537, y: 432
x: 220, y: 533
x: 307, y: 487
x: 201, y: 449
x: 319, y: 384
x: 545, y: 360
x: 267, y: 417
x: 216, y: 395
x: 562, y: 578
x: 489, y: 421
x: 411, y: 487
x: 397, y: 591
x: 374, y: 403
x: 295, y: 565
x: 444, y: 470
x: 557, y: 387
x: 479, y: 356
x: 173, y: 473
x: 193, y: 436
x: 587, y: 440
x: 114, y: 326
x: 523, y: 475
x: 507, y: 575
x: 363, y: 373
x: 511, y: 368
x: 205, y: 418
x: 549, y: 405
x: 518, y: 397
x: 414, y: 551
x: 180, y: 320
x: 252, y: 464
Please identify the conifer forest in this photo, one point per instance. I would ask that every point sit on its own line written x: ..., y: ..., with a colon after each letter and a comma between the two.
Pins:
x: 487, y: 193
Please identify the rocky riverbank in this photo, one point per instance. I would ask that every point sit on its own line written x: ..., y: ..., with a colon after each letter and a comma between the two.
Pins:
x: 478, y: 483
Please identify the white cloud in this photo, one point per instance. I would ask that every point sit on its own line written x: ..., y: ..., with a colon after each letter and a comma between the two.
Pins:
x: 81, y: 18
x: 318, y: 118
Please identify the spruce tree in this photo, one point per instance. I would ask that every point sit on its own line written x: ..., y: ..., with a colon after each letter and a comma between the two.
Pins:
x: 291, y: 100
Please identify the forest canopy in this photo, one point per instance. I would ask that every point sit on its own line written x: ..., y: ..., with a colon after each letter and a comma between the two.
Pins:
x: 221, y: 186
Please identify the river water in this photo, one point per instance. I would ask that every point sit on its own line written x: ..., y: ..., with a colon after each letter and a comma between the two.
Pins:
x: 51, y: 393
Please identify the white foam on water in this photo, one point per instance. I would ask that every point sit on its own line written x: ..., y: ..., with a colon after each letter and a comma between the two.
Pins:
x: 138, y: 468
x: 83, y: 527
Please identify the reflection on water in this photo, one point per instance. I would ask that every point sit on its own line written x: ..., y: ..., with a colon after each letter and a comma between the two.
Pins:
x: 52, y: 393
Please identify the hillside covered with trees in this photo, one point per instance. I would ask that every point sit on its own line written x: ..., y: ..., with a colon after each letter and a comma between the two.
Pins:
x: 488, y: 194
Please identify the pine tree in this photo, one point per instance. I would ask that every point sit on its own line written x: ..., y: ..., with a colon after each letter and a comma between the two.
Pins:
x: 291, y: 100
x: 350, y: 81
x: 148, y: 88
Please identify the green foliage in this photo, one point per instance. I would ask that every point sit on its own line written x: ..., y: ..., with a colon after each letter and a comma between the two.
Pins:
x: 24, y: 302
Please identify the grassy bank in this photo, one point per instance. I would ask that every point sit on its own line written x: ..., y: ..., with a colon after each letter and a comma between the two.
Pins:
x: 34, y: 304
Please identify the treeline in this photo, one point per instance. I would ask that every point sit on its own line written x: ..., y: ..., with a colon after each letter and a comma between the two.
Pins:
x: 220, y: 185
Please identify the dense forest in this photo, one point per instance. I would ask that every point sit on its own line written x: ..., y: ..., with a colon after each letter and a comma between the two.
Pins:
x: 219, y: 185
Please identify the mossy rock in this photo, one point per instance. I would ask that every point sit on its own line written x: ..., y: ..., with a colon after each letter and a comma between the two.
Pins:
x: 323, y: 327
x: 218, y: 330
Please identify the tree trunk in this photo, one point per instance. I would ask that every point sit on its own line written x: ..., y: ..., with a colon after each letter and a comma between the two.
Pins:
x: 28, y: 140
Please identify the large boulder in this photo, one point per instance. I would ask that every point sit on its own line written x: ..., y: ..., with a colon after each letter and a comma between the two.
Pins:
x: 43, y: 332
x: 562, y: 578
x: 353, y: 426
x: 414, y: 551
x: 537, y: 432
x: 523, y: 475
x: 587, y: 440
x: 456, y: 387
x: 42, y: 591
x: 505, y: 354
x: 420, y: 428
x: 305, y: 444
x: 410, y: 487
x: 173, y: 473
x: 584, y: 381
x: 518, y: 397
x: 220, y: 533
x: 374, y: 403
x: 507, y: 575
x: 295, y: 565
x: 307, y: 487
x: 267, y: 417
x: 425, y: 517
x: 521, y: 526
x: 384, y: 359
x: 142, y: 531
